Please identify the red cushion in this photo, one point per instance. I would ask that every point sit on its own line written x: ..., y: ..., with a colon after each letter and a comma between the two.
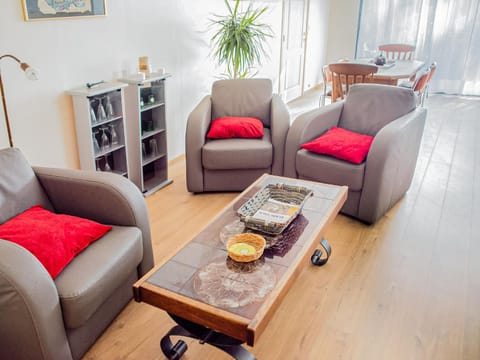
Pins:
x: 235, y: 127
x: 54, y: 239
x: 342, y: 144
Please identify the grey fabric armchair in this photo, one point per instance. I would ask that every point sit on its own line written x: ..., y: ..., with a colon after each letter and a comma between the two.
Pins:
x: 233, y: 164
x: 388, y: 113
x: 42, y: 318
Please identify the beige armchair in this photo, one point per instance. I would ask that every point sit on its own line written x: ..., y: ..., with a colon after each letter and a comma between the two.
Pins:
x: 233, y: 164
x: 42, y: 318
x: 389, y: 114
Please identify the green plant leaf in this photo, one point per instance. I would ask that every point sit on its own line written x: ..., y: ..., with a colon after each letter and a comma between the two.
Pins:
x: 239, y: 39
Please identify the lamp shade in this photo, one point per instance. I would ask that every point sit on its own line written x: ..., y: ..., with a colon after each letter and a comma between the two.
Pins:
x: 30, y: 73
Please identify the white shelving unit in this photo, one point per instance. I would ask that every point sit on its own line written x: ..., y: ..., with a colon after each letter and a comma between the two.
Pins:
x: 102, y: 142
x: 147, y: 132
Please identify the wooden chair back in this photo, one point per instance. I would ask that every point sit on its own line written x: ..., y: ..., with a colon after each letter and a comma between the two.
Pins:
x: 422, y: 81
x: 327, y: 84
x: 421, y: 84
x: 346, y: 74
x: 397, y: 51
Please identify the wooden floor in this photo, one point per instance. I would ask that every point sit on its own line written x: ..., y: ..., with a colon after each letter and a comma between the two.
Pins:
x: 405, y: 288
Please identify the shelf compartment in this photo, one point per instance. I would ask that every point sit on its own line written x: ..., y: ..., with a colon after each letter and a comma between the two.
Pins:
x: 153, y: 120
x: 148, y: 159
x: 155, y: 175
x: 117, y: 161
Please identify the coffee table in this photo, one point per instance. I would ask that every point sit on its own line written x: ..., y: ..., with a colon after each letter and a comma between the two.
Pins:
x: 225, y: 303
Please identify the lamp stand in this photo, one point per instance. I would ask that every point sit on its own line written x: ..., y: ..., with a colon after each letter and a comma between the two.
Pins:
x: 31, y: 74
x: 4, y: 103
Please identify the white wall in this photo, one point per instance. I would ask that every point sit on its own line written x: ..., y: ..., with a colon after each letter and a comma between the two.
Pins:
x: 72, y: 52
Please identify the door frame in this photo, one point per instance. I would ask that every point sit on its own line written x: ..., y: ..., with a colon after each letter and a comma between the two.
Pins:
x: 283, y: 39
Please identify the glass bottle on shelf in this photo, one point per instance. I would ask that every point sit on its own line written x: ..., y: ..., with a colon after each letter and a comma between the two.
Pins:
x: 109, y: 108
x: 151, y: 99
x: 113, y: 134
x: 101, y: 114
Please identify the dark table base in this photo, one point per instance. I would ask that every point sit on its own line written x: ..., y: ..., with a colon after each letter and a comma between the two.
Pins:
x: 231, y: 346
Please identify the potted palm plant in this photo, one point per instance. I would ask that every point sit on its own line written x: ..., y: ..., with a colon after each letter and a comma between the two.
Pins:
x: 239, y: 40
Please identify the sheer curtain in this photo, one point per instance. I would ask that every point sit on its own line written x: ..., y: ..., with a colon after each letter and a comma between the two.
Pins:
x: 445, y: 31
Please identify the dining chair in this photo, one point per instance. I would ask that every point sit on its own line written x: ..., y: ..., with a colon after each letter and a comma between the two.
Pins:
x: 422, y: 84
x: 397, y: 51
x: 327, y: 84
x: 346, y: 74
x: 433, y: 68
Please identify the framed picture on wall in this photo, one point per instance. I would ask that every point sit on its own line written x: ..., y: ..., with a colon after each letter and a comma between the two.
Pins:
x: 62, y: 9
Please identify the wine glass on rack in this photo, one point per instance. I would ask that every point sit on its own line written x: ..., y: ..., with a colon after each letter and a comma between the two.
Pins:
x: 93, y: 118
x: 153, y: 147
x: 101, y: 114
x: 107, y: 165
x: 104, y: 141
x: 113, y: 134
x: 97, y: 164
x: 109, y: 108
x: 96, y: 147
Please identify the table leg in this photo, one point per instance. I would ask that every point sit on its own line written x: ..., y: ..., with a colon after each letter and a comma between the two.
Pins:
x: 317, y: 254
x: 187, y: 328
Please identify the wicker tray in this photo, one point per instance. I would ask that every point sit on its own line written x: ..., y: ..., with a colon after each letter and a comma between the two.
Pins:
x: 274, y: 207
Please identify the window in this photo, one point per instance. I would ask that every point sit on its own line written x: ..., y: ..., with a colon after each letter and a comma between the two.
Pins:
x: 445, y: 31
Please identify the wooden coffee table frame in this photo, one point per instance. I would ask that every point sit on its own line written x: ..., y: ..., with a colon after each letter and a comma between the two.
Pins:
x: 231, y: 325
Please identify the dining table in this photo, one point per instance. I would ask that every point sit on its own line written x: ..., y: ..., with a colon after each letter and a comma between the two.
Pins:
x: 394, y: 70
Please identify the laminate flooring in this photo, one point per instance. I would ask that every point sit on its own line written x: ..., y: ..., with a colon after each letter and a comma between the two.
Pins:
x: 407, y: 287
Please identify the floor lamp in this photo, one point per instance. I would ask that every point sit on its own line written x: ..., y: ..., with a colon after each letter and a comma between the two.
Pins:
x: 31, y: 74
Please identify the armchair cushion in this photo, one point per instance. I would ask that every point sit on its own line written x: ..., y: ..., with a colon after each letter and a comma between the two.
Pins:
x: 235, y: 127
x: 97, y: 272
x: 369, y: 107
x: 19, y: 187
x: 54, y: 239
x: 245, y: 153
x: 342, y: 144
x: 329, y: 170
x: 242, y: 97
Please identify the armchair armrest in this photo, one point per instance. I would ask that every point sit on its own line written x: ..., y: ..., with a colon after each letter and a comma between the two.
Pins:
x: 391, y: 164
x: 307, y: 127
x: 103, y: 197
x: 279, y: 124
x: 31, y: 324
x: 197, y: 126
